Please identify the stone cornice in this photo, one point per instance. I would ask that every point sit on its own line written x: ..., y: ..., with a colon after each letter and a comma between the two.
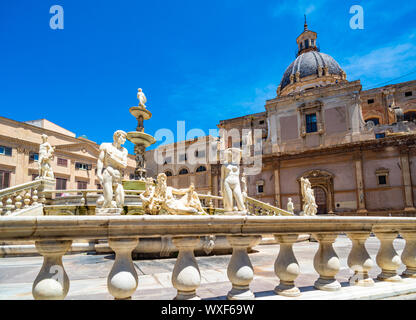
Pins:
x: 95, y: 227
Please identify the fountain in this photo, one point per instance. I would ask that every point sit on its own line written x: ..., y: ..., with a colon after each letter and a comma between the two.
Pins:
x: 141, y: 141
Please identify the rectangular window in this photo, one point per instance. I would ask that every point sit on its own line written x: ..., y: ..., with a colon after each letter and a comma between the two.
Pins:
x: 200, y: 154
x: 34, y: 176
x: 4, y: 179
x: 182, y: 157
x: 311, y: 125
x: 370, y: 101
x: 60, y: 185
x: 62, y: 162
x: 33, y: 156
x: 82, y: 185
x: 408, y: 94
x: 382, y: 179
x: 261, y: 122
x: 6, y: 151
x: 260, y: 188
x: 83, y: 166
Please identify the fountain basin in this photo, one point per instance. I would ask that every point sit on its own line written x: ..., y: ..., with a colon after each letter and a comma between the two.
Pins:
x: 141, y: 138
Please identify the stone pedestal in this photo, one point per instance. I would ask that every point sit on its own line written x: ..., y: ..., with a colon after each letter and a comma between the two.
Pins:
x: 52, y: 282
x: 240, y: 271
x: 387, y: 258
x: 122, y: 280
x: 186, y: 277
x: 108, y: 211
x: 359, y: 260
x: 286, y: 266
x: 326, y: 263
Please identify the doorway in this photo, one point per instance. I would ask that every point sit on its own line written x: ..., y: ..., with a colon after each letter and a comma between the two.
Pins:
x: 320, y: 199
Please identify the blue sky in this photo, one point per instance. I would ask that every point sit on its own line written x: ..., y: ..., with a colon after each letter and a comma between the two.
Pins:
x: 198, y: 61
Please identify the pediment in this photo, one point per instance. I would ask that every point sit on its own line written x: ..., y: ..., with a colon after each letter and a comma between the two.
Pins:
x: 83, y: 149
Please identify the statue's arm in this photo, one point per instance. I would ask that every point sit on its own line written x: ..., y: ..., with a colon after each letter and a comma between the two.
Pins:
x: 100, y: 164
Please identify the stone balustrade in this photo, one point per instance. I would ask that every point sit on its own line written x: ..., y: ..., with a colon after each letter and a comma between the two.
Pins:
x: 54, y: 234
x: 18, y: 199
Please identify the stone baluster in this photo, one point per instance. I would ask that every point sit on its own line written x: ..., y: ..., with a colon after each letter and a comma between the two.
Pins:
x: 9, y: 205
x: 35, y: 197
x: 359, y: 260
x: 387, y: 258
x: 52, y: 282
x: 409, y: 255
x: 1, y: 206
x: 122, y: 280
x: 286, y: 266
x: 18, y: 201
x: 326, y: 263
x: 240, y: 271
x: 26, y: 200
x: 186, y: 276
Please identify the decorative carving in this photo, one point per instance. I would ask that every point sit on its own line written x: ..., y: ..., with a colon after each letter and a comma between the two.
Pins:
x: 290, y: 206
x: 142, y: 98
x: 159, y: 199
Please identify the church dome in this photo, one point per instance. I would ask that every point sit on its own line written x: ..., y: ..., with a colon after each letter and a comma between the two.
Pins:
x: 311, y: 68
x: 309, y: 64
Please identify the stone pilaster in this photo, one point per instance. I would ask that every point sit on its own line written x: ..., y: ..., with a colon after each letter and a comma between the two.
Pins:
x: 358, y: 163
x: 407, y: 180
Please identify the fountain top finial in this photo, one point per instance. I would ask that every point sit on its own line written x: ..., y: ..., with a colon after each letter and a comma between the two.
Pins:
x: 142, y: 98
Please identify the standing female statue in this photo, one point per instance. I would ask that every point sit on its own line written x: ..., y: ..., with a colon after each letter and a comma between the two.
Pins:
x: 230, y: 182
x: 309, y: 204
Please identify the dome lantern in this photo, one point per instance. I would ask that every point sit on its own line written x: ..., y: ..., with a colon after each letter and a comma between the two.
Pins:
x: 306, y: 40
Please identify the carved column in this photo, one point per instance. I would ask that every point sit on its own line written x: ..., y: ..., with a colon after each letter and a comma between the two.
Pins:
x: 122, y: 280
x: 286, y: 266
x: 326, y: 263
x: 186, y: 276
x: 277, y: 197
x: 52, y: 282
x: 387, y: 258
x: 240, y: 271
x: 357, y: 158
x: 407, y: 180
x: 359, y: 260
x: 409, y: 255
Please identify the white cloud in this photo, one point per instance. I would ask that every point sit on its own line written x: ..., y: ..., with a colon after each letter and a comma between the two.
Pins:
x: 383, y: 63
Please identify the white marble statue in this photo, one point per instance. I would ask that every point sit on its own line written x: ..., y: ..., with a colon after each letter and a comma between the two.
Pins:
x: 142, y: 98
x: 290, y: 206
x: 45, y: 157
x: 230, y: 182
x: 110, y: 165
x: 309, y: 204
x: 162, y: 198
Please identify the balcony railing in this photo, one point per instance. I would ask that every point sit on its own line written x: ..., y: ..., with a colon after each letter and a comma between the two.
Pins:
x: 53, y: 236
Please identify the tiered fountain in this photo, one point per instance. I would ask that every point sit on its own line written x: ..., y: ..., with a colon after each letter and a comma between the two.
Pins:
x: 141, y: 141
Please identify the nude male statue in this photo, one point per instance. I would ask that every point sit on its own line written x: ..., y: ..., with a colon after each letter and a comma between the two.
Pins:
x: 111, y: 161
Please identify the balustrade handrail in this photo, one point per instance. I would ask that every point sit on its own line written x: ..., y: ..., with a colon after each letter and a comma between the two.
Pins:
x: 269, y: 207
x: 21, y: 187
x: 98, y: 227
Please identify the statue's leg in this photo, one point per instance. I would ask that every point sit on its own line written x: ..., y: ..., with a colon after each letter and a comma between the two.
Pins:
x: 228, y: 198
x: 239, y: 198
x: 107, y: 189
x: 119, y: 195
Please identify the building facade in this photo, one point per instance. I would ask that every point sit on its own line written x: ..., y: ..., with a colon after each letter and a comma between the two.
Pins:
x: 356, y: 147
x: 75, y: 160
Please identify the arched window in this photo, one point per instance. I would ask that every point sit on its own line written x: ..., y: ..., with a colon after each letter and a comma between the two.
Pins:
x: 376, y: 121
x: 201, y: 169
x: 183, y: 171
x: 410, y: 116
x: 168, y: 173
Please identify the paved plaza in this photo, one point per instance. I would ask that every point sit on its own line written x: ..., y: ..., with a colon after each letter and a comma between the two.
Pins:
x: 88, y: 274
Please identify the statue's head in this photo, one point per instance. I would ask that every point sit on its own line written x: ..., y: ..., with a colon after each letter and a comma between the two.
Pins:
x: 233, y: 155
x: 290, y: 199
x: 120, y: 136
x: 161, y: 178
x: 139, y: 90
x: 192, y: 187
x: 44, y: 137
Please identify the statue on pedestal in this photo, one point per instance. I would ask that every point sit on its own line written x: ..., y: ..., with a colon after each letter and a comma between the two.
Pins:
x: 309, y: 204
x: 230, y: 182
x: 290, y: 206
x: 45, y: 157
x: 142, y: 98
x: 162, y: 199
x: 110, y: 165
